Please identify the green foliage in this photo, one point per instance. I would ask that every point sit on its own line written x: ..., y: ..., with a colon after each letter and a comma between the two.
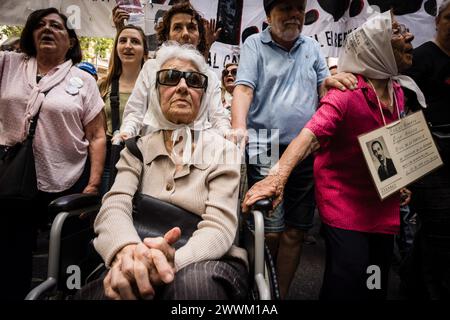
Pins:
x: 10, y: 31
x: 95, y: 47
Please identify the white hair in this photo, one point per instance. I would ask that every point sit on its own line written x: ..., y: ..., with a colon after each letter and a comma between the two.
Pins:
x: 444, y: 5
x: 173, y: 50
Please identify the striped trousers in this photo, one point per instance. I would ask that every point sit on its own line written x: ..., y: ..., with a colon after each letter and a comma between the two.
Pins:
x: 225, y: 279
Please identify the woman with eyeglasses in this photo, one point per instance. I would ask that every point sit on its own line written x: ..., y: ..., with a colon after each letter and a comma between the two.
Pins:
x: 228, y: 78
x: 357, y: 226
x: 186, y: 164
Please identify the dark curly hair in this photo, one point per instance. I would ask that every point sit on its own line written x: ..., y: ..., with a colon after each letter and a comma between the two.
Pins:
x: 27, y: 44
x: 163, y: 28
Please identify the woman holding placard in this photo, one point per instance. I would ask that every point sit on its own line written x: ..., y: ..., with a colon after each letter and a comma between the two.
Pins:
x: 358, y: 227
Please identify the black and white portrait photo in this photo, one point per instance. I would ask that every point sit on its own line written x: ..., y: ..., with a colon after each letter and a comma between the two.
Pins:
x: 383, y: 162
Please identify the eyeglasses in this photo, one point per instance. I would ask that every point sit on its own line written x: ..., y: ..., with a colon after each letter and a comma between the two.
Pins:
x: 171, y: 77
x: 226, y: 72
x: 400, y: 30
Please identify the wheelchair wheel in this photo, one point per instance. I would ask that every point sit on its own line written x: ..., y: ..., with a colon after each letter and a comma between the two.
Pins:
x: 270, y: 275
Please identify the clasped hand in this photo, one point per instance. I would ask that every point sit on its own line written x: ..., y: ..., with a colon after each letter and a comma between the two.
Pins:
x: 138, y: 268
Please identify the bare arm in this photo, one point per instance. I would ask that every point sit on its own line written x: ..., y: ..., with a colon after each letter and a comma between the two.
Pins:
x: 242, y: 98
x: 95, y: 134
x: 273, y: 185
x: 211, y: 34
x: 119, y: 16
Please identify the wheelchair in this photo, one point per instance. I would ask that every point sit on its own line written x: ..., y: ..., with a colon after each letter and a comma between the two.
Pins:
x: 71, y: 250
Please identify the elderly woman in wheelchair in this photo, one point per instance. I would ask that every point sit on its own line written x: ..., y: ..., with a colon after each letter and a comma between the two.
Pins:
x: 166, y: 228
x: 185, y: 163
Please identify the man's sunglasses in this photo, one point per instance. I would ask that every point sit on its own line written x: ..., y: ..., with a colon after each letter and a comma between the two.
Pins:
x: 226, y: 72
x: 171, y: 77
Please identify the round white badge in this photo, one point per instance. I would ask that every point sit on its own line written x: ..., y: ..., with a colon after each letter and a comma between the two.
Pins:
x: 76, y: 82
x: 72, y: 90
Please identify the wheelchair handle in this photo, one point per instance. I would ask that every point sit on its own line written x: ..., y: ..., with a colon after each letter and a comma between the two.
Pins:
x: 264, y: 205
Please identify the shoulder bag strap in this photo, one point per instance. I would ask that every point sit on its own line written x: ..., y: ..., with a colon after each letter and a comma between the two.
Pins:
x: 33, y: 122
x: 114, y: 101
x: 131, y: 145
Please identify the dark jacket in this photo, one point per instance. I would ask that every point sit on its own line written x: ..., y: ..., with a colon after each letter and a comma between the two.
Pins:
x: 388, y: 172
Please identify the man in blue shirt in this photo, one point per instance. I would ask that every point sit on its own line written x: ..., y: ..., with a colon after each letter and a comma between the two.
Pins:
x: 280, y: 76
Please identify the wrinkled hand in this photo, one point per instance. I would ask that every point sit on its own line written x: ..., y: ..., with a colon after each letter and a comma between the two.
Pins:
x: 271, y: 186
x: 211, y: 33
x: 119, y: 17
x: 137, y: 268
x: 128, y: 278
x: 405, y: 196
x: 163, y: 255
x: 341, y: 81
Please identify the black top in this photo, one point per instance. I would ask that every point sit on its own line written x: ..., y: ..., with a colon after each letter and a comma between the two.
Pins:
x: 431, y: 72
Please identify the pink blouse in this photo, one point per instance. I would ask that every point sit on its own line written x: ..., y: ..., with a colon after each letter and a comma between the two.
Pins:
x: 60, y: 145
x: 345, y: 194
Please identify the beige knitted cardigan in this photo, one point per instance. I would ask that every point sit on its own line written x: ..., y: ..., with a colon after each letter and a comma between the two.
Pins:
x: 208, y: 187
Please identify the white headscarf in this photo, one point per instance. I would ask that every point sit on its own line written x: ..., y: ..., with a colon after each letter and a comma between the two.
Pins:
x: 368, y: 51
x: 155, y: 118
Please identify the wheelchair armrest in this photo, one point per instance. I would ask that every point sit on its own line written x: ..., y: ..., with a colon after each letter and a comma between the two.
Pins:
x: 56, y: 233
x: 264, y: 205
x: 44, y: 287
x: 73, y: 202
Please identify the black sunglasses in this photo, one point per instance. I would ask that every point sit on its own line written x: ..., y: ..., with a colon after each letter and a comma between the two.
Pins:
x: 226, y: 72
x: 171, y: 77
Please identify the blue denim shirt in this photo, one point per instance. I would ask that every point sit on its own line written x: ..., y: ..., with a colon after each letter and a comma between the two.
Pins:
x: 285, y: 84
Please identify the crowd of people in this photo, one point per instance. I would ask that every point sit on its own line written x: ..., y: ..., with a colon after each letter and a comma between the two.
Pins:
x: 186, y: 121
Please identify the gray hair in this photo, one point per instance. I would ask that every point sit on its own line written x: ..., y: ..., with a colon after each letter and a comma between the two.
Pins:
x: 173, y: 50
x: 444, y: 5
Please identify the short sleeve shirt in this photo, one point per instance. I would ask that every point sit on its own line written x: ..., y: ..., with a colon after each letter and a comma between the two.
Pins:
x: 285, y: 83
x: 60, y: 145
